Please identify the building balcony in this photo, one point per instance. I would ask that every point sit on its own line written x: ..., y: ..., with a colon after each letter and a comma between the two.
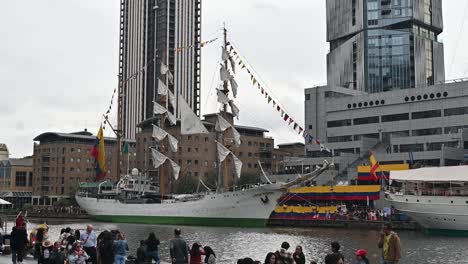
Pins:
x: 265, y: 149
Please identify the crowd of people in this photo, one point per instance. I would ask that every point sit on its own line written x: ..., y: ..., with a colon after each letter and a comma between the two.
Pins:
x: 71, y: 210
x: 389, y: 242
x: 75, y: 247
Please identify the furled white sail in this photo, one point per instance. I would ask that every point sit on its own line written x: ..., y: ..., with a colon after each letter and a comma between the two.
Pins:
x: 224, y: 54
x: 224, y: 74
x: 159, y: 134
x: 235, y: 110
x: 222, y: 98
x: 172, y: 118
x: 159, y: 159
x: 170, y: 77
x: 234, y: 86
x: 175, y: 169
x: 233, y: 64
x: 237, y: 165
x: 223, y: 152
x: 190, y: 123
x: 164, y: 69
x: 237, y: 136
x: 159, y: 109
x: 221, y: 124
x: 172, y: 99
x: 162, y: 88
x: 173, y: 142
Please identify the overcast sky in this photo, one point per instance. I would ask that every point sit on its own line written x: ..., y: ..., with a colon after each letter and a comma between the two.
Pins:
x: 59, y: 61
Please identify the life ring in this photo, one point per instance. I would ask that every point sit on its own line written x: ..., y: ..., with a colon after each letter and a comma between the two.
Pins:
x: 265, y: 200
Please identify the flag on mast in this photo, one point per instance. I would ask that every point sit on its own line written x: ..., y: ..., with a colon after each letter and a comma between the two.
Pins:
x: 374, y: 166
x: 98, y: 152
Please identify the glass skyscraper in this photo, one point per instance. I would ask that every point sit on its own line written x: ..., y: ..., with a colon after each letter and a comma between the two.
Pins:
x: 384, y: 45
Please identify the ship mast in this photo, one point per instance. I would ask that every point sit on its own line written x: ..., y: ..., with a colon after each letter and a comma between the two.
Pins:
x: 225, y: 116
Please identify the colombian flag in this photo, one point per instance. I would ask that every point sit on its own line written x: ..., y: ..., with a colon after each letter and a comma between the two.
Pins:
x: 98, y: 153
x: 374, y: 166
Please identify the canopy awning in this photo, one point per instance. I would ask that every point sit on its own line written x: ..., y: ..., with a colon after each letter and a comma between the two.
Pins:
x: 2, y: 202
x: 434, y: 174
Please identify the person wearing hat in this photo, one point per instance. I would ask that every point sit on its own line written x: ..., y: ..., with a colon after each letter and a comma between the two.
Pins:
x: 361, y: 257
x: 46, y: 250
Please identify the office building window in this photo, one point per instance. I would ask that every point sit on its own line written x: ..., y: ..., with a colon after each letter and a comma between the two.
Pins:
x: 456, y: 111
x: 395, y: 134
x: 354, y: 65
x: 412, y: 147
x: 339, y: 139
x: 426, y: 114
x: 371, y: 135
x: 428, y: 12
x: 353, y: 10
x: 427, y: 132
x: 454, y: 129
x: 366, y: 120
x: 30, y: 179
x: 20, y: 179
x: 396, y: 117
x: 339, y: 123
x: 429, y: 62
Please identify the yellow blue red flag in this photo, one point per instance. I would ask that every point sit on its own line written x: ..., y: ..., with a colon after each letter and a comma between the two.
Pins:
x: 374, y: 166
x: 99, y: 154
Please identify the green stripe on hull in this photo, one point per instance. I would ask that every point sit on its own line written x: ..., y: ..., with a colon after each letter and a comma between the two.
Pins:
x: 446, y: 232
x: 173, y: 220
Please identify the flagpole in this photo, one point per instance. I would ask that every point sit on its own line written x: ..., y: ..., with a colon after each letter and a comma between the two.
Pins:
x: 128, y: 162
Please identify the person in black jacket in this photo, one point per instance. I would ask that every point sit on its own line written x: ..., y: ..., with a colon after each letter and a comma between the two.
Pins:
x: 141, y: 253
x: 57, y: 256
x: 152, y: 245
x: 105, y: 248
x: 19, y: 240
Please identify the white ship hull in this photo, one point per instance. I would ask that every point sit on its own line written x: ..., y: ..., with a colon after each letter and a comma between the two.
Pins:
x: 438, y: 214
x: 239, y: 208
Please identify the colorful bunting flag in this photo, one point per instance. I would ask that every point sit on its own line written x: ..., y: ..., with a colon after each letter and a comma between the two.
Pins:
x: 286, y: 117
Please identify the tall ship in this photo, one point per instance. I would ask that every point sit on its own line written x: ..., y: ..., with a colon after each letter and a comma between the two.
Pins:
x: 138, y: 197
x: 437, y: 198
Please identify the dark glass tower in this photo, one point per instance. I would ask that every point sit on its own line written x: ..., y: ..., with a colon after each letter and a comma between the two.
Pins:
x: 383, y: 45
x: 151, y: 32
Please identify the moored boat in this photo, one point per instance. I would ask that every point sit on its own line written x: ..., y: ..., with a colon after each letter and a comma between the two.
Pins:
x: 437, y: 198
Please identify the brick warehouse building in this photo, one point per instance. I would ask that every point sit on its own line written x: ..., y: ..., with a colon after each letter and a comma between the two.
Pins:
x: 62, y: 160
